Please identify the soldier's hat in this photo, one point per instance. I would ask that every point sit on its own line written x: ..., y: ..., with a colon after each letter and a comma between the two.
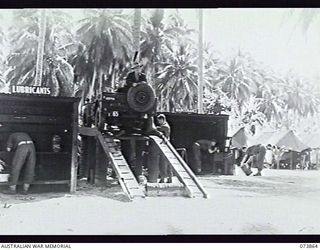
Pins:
x: 161, y: 116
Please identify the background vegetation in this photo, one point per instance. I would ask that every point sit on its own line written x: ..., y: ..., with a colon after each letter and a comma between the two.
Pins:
x: 84, y: 56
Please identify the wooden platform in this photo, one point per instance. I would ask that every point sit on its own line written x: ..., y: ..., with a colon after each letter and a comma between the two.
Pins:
x: 165, y: 189
x: 164, y: 185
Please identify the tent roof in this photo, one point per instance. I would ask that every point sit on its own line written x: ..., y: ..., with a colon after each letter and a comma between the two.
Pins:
x: 312, y: 140
x: 239, y: 139
x: 285, y: 139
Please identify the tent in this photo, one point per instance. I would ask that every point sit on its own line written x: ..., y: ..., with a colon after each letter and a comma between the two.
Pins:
x: 312, y: 140
x: 239, y: 139
x: 262, y: 138
x: 286, y: 139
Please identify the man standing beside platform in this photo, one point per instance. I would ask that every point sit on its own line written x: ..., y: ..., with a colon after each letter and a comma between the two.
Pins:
x: 165, y: 168
x: 24, y: 155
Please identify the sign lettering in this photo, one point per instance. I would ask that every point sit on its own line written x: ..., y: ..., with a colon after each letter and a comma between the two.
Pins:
x: 35, y: 90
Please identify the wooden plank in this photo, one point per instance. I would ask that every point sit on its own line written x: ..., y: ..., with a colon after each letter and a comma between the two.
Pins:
x: 131, y: 183
x: 177, y: 164
x: 119, y: 164
x: 184, y: 175
x: 124, y: 173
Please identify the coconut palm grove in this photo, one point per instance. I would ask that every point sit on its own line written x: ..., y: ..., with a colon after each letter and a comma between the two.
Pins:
x: 91, y: 49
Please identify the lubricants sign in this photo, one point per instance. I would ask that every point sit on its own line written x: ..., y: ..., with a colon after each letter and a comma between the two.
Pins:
x: 30, y: 90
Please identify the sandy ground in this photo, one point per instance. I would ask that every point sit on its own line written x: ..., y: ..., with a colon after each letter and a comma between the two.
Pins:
x: 280, y: 202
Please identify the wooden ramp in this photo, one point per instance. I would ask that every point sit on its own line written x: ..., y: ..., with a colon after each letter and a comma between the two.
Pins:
x: 126, y: 178
x: 180, y: 168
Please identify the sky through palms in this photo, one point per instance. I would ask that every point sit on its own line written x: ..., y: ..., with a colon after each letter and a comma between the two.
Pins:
x: 272, y: 36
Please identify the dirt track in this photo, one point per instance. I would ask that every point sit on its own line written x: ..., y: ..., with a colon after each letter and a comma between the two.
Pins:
x: 280, y: 202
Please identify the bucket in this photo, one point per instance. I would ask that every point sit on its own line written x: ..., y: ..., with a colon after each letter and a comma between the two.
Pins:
x: 4, y: 177
x: 245, y: 168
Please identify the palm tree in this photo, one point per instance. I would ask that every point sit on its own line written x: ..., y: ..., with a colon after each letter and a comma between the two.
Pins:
x: 299, y: 97
x: 40, y: 51
x: 105, y: 44
x: 267, y: 89
x: 250, y: 111
x: 212, y: 93
x: 3, y: 44
x: 136, y: 30
x: 210, y: 69
x: 294, y: 95
x: 153, y: 40
x: 178, y: 79
x: 306, y: 17
x: 234, y: 79
x: 158, y: 37
x: 23, y: 36
x: 272, y: 107
x: 200, y: 66
x: 171, y: 60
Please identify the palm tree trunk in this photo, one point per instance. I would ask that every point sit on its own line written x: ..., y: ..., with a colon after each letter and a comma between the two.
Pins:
x: 112, y: 76
x: 55, y: 84
x: 113, y: 79
x: 200, y: 70
x: 100, y: 83
x: 40, y: 52
x: 84, y: 86
x: 168, y: 100
x: 161, y: 101
x: 136, y: 31
x: 91, y: 89
x: 153, y: 76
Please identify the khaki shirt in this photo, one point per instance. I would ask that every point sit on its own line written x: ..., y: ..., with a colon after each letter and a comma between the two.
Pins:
x: 15, y: 138
x: 165, y: 129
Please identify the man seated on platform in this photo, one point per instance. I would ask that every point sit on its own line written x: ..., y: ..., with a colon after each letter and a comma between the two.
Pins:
x: 24, y: 156
x: 134, y: 78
